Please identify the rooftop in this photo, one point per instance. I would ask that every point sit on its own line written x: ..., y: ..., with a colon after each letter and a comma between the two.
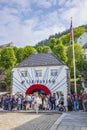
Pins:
x: 41, y: 59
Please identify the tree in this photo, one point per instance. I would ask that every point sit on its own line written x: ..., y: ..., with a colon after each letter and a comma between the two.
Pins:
x: 15, y: 50
x: 28, y: 50
x: 7, y: 79
x: 45, y: 49
x: 78, y: 58
x: 60, y: 51
x: 20, y: 54
x: 84, y: 65
x: 65, y: 39
x: 8, y: 59
x: 39, y: 49
x: 78, y: 32
x: 52, y: 42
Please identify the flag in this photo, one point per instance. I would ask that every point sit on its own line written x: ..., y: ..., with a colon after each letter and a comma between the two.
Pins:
x: 71, y: 31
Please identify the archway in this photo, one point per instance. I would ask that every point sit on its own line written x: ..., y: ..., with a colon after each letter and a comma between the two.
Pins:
x: 38, y: 87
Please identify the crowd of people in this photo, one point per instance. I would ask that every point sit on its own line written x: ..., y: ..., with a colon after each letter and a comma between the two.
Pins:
x: 36, y: 101
x: 32, y: 101
x: 77, y: 102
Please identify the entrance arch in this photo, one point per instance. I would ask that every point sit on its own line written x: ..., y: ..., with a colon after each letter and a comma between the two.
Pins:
x: 38, y: 87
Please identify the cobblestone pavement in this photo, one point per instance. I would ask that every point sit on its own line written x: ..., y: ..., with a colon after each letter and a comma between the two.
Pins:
x: 27, y: 121
x: 74, y: 121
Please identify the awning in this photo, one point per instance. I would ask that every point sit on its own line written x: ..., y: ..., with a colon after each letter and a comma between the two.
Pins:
x: 36, y: 87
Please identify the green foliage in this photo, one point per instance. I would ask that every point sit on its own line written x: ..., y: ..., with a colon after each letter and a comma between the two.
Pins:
x: 39, y: 49
x: 28, y: 50
x: 46, y: 49
x: 15, y: 50
x: 8, y: 59
x: 65, y: 39
x: 56, y: 35
x: 64, y: 36
x: 42, y: 49
x: 52, y: 42
x: 20, y: 54
x: 78, y: 86
x: 42, y: 43
x: 7, y: 79
x: 60, y: 51
x: 78, y: 58
x: 84, y: 64
x: 78, y: 31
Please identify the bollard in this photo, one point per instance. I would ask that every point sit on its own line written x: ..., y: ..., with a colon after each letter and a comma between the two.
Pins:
x: 36, y: 108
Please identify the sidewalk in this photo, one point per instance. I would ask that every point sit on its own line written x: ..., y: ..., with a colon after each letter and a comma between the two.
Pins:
x: 71, y: 121
x: 44, y: 120
x: 27, y: 120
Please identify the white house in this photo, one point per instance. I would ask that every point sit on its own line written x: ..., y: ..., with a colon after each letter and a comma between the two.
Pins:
x: 43, y: 72
x: 82, y: 40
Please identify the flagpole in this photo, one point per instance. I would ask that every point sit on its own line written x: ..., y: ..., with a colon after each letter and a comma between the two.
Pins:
x: 75, y: 89
x: 74, y: 65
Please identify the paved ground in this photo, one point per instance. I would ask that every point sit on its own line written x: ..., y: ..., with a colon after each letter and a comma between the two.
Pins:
x: 27, y: 121
x: 73, y: 121
x: 43, y: 121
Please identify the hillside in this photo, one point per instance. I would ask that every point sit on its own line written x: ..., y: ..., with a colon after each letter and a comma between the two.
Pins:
x: 64, y: 35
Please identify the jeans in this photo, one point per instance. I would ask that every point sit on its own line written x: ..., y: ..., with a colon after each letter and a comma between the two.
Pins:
x: 53, y: 106
x: 76, y: 105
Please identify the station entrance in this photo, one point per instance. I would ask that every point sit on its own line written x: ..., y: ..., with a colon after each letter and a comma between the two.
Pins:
x: 40, y: 88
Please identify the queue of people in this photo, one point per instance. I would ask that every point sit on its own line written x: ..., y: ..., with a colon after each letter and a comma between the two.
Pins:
x: 32, y: 101
x: 77, y: 102
x: 36, y: 101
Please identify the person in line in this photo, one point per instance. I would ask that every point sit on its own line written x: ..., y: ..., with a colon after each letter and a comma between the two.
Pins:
x: 53, y: 101
x: 76, y: 102
x: 69, y: 102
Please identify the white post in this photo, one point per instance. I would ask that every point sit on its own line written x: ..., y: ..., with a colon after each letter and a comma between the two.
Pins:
x: 75, y: 89
x: 36, y: 108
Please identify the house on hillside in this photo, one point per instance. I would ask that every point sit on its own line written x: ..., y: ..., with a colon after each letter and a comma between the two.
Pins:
x: 10, y: 45
x: 42, y: 72
x: 82, y: 40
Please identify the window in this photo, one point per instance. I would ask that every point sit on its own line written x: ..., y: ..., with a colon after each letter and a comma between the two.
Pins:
x: 54, y: 72
x: 24, y: 73
x: 38, y: 73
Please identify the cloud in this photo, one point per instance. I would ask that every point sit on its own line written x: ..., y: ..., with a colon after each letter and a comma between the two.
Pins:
x: 22, y: 3
x: 61, y: 2
x: 43, y: 3
x: 76, y: 11
x: 30, y: 21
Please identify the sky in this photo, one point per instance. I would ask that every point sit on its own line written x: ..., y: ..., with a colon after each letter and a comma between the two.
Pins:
x: 27, y: 22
